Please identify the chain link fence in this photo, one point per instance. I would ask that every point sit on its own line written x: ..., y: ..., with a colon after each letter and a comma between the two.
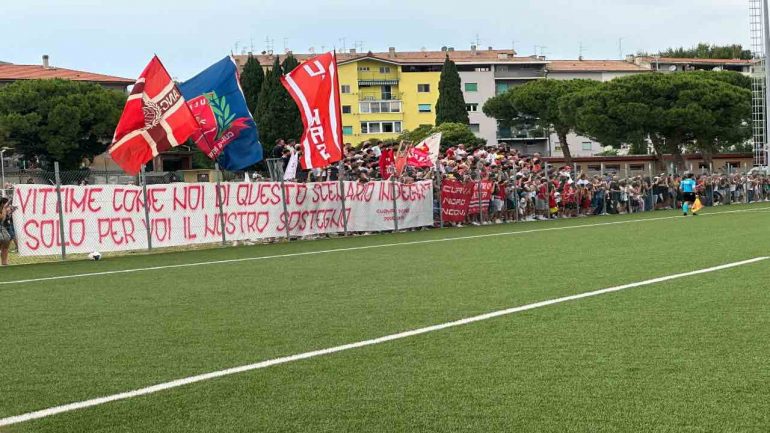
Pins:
x: 70, y: 214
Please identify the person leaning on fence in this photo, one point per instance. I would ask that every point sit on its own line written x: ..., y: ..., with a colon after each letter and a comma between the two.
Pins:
x: 5, y: 236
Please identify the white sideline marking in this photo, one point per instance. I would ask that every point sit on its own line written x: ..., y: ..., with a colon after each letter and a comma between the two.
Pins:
x: 367, y: 247
x: 277, y: 361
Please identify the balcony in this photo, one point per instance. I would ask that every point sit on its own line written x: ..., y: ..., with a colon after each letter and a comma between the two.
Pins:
x: 376, y: 78
x: 512, y: 134
x: 514, y: 72
x: 379, y: 95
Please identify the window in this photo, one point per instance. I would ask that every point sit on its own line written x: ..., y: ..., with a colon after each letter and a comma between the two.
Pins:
x: 475, y: 128
x: 472, y: 108
x: 501, y: 88
x: 385, y: 70
x: 346, y: 109
x: 587, y: 145
x: 345, y: 88
x: 471, y: 87
x: 380, y: 107
x: 423, y: 88
x: 557, y: 148
x: 595, y: 168
x: 347, y: 130
x: 636, y: 167
x: 612, y: 167
x: 378, y: 127
x: 363, y: 69
x: 424, y: 108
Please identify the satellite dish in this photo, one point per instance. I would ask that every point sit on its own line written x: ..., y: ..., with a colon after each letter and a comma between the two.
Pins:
x: 672, y: 68
x: 717, y: 69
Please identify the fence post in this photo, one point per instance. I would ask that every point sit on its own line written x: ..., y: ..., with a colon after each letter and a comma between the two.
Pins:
x: 653, y: 199
x: 440, y: 199
x: 478, y: 197
x: 143, y: 180
x: 604, y: 193
x: 57, y: 176
x: 220, y: 201
x: 395, y: 206
x: 341, y: 176
x: 285, y: 209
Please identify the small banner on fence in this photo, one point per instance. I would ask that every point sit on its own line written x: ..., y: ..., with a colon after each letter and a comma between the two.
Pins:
x: 112, y: 218
x: 458, y: 199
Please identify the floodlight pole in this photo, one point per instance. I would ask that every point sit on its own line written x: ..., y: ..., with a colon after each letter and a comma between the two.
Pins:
x: 766, y: 27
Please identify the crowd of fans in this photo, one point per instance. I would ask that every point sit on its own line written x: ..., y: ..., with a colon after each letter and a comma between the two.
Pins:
x: 528, y: 188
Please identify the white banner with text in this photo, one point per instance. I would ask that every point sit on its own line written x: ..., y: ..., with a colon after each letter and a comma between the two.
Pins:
x: 113, y: 218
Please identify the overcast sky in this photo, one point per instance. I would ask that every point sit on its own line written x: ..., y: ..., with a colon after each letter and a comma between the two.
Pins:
x: 119, y: 37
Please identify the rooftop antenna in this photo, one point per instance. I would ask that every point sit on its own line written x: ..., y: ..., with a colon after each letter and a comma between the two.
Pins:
x: 269, y: 45
x: 343, y: 41
x: 285, y: 45
x: 620, y: 48
x: 582, y: 49
x: 513, y: 46
x: 359, y: 46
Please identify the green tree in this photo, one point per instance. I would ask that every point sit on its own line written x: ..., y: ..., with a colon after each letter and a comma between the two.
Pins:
x: 453, y: 134
x: 451, y: 104
x: 293, y: 125
x: 538, y: 102
x: 708, y: 51
x: 277, y: 114
x: 251, y: 82
x: 416, y: 135
x: 671, y: 110
x: 58, y: 120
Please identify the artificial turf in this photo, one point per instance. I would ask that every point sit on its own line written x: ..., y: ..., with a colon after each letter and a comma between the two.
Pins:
x: 686, y: 355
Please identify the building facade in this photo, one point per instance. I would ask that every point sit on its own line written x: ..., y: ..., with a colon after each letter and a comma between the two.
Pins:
x: 386, y: 93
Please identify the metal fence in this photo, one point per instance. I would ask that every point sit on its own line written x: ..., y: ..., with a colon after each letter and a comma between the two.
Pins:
x: 486, y: 201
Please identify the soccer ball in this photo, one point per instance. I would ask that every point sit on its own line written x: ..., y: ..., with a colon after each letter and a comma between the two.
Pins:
x: 95, y: 256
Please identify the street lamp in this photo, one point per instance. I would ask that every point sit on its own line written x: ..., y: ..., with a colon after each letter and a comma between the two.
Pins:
x: 2, y: 164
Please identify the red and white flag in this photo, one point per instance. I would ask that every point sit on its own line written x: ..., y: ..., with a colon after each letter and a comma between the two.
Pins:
x: 426, y: 153
x: 155, y: 119
x: 315, y: 87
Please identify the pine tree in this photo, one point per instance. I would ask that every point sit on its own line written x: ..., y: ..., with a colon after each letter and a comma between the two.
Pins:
x: 450, y: 107
x: 266, y: 112
x: 252, y: 78
x: 293, y: 126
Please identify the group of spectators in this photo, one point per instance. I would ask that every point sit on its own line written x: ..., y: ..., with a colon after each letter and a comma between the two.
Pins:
x: 526, y: 187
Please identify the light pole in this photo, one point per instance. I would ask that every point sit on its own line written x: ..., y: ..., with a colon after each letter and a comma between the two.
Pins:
x: 2, y: 165
x: 766, y: 40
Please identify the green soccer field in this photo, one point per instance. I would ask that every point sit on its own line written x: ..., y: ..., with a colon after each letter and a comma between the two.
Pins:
x: 689, y: 354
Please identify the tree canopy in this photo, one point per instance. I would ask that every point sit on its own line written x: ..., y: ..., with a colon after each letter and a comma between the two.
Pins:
x: 708, y: 51
x: 451, y: 103
x: 58, y: 120
x: 251, y: 82
x: 273, y: 116
x: 538, y: 102
x: 294, y: 126
x: 702, y: 111
x: 452, y: 134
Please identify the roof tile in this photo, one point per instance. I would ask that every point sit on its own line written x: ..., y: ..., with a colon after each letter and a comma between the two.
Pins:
x: 10, y: 72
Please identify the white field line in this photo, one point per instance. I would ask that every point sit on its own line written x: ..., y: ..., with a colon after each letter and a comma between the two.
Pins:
x: 367, y: 247
x: 44, y: 413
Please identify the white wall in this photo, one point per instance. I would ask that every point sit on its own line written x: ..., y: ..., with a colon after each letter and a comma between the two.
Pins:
x: 486, y: 86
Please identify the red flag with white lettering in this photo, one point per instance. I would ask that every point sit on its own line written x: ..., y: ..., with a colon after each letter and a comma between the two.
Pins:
x: 155, y: 119
x: 314, y: 86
